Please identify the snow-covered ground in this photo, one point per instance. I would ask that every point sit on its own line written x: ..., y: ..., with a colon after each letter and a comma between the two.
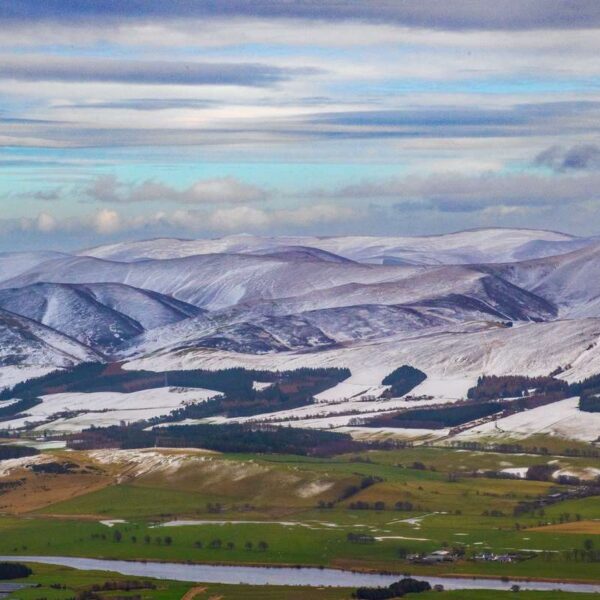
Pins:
x: 11, y: 465
x: 107, y: 408
x: 585, y: 473
x: 561, y: 418
x: 10, y: 376
x: 456, y: 306
x: 140, y: 462
x: 325, y: 415
x: 520, y: 472
x: 479, y: 245
x: 40, y: 443
x: 452, y: 360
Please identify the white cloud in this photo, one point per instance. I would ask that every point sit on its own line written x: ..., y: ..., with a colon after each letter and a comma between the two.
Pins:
x: 45, y: 222
x: 107, y: 221
x: 239, y: 218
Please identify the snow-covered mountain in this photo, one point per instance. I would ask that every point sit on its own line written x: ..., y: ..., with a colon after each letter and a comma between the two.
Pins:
x: 466, y: 247
x: 570, y: 281
x: 214, y: 281
x: 443, y: 303
x: 13, y: 264
x: 24, y: 343
x: 100, y: 315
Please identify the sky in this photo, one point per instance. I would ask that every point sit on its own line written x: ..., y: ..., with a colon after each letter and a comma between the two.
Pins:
x: 139, y: 119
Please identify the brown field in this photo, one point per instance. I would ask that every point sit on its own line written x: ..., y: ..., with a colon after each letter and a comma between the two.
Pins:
x: 38, y: 491
x: 24, y: 491
x: 591, y: 527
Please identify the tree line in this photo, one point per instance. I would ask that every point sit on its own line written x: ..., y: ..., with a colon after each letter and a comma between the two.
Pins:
x: 230, y: 437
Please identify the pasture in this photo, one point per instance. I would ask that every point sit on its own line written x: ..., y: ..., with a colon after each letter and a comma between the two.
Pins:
x: 289, y: 510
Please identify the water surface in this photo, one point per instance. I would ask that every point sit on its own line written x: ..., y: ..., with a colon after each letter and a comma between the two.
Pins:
x: 304, y: 576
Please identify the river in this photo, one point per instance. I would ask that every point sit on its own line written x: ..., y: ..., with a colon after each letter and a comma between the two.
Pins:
x: 282, y: 575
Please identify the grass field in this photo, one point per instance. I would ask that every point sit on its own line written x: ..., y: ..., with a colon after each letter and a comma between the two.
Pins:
x: 276, y: 500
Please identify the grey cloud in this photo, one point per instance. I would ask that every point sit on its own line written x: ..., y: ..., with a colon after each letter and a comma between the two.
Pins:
x: 157, y: 104
x: 452, y: 14
x: 521, y: 120
x: 470, y: 120
x: 581, y: 157
x: 219, y: 190
x: 450, y: 193
x: 46, y: 195
x: 145, y: 104
x: 28, y: 163
x: 84, y: 69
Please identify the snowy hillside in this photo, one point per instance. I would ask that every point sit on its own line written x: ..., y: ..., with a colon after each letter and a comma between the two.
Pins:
x: 564, y: 419
x: 98, y: 315
x: 28, y: 348
x: 571, y: 281
x: 467, y: 247
x: 455, y: 306
x: 13, y: 264
x: 213, y: 281
x: 73, y: 412
x: 445, y: 354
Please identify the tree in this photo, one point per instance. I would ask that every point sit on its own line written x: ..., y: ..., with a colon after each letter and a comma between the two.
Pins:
x: 168, y: 540
x: 147, y: 539
x: 215, y: 544
x: 230, y: 545
x: 263, y: 546
x: 10, y: 570
x: 117, y: 535
x: 248, y: 545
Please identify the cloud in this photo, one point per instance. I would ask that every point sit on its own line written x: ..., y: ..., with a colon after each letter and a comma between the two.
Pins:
x: 581, y: 157
x: 218, y: 190
x: 239, y: 218
x: 454, y: 15
x: 108, y: 222
x: 244, y: 217
x: 462, y: 121
x: 236, y: 127
x: 144, y: 104
x: 158, y: 72
x: 45, y: 222
x: 457, y: 193
x: 159, y: 104
x: 45, y: 195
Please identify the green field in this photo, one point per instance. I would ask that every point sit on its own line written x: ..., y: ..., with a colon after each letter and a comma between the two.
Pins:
x: 274, y: 513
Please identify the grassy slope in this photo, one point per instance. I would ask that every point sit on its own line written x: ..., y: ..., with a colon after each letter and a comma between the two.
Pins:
x: 271, y: 485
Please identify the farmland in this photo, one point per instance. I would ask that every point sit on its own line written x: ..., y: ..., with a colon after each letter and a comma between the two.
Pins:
x: 251, y: 509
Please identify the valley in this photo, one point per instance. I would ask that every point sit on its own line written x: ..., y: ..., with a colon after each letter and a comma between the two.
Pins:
x: 378, y: 405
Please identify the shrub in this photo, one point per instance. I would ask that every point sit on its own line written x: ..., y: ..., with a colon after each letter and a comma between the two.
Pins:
x: 14, y: 570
